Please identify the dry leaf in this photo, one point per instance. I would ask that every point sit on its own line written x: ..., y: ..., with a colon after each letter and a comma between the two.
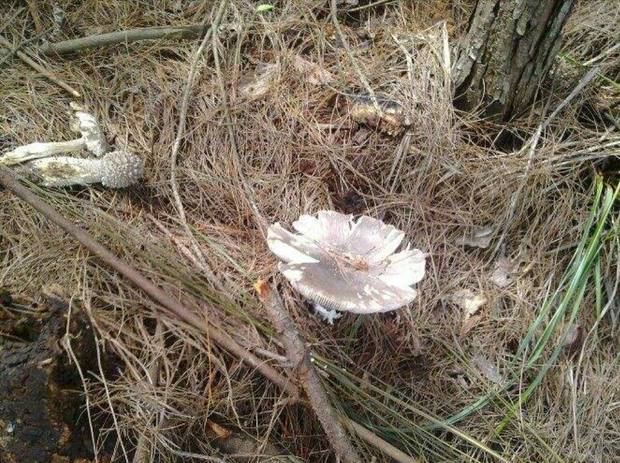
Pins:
x: 220, y: 431
x: 311, y: 72
x: 264, y: 78
x: 470, y: 303
x: 502, y: 273
x: 488, y: 369
x: 480, y: 238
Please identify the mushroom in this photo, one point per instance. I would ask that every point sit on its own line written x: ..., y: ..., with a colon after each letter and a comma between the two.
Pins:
x: 116, y: 169
x: 92, y: 139
x: 40, y: 150
x: 92, y: 136
x: 341, y: 264
x: 389, y: 116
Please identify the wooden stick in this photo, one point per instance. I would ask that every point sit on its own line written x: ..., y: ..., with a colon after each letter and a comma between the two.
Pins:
x: 299, y: 357
x: 66, y: 47
x: 37, y: 67
x: 171, y: 306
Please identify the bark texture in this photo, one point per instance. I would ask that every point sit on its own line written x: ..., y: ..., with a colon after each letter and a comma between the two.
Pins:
x: 509, y: 47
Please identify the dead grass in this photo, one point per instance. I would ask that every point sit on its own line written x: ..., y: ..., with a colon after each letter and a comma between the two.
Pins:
x: 296, y: 150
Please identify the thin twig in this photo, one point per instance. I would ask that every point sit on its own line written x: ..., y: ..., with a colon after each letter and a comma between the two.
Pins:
x: 170, y: 305
x: 37, y: 67
x: 299, y: 358
x: 250, y: 197
x: 179, y: 137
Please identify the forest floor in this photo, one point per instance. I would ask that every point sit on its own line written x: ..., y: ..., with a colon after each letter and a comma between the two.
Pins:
x: 510, y: 351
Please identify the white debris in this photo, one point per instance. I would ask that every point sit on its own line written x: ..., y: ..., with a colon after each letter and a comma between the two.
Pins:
x: 479, y: 238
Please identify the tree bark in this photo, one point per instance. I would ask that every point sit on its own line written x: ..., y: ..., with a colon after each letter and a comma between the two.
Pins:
x: 509, y: 47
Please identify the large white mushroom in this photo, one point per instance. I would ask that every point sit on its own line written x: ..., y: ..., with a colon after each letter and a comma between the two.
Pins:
x: 116, y: 169
x: 341, y: 264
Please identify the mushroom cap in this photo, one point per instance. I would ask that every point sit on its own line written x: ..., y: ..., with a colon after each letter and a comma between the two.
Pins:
x: 347, y: 265
x: 120, y: 169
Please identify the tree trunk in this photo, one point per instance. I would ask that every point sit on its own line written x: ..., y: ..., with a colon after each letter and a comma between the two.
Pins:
x: 509, y: 47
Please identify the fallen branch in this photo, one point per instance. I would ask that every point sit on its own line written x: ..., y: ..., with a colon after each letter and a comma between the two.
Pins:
x: 171, y: 306
x: 299, y: 358
x: 37, y: 67
x: 67, y: 47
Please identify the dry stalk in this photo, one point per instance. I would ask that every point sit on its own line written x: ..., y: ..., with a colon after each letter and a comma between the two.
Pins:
x: 172, y: 306
x: 376, y: 441
x: 177, y: 143
x: 300, y: 359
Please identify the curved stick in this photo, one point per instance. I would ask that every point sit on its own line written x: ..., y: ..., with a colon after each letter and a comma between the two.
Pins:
x: 171, y: 306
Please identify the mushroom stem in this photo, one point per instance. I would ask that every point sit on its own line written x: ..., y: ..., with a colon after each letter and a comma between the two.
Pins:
x: 117, y: 169
x: 39, y: 150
